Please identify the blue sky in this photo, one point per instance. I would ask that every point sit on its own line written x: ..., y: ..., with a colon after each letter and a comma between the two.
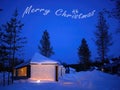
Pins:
x: 65, y: 33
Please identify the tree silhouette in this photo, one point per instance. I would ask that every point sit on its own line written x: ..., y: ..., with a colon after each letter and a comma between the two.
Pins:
x: 3, y: 55
x: 116, y: 13
x: 45, y: 46
x: 13, y: 40
x: 1, y: 9
x: 103, y: 38
x: 84, y: 54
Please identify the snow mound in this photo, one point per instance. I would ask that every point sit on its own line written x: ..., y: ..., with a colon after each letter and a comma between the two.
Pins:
x: 95, y: 80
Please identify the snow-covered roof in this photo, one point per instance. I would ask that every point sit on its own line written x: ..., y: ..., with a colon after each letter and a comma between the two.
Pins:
x: 22, y: 64
x: 40, y: 59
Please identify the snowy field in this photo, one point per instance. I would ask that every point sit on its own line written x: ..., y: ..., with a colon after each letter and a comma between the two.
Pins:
x: 90, y: 80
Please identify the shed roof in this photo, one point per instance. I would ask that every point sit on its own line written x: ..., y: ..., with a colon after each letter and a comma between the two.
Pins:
x: 22, y: 65
x: 38, y: 58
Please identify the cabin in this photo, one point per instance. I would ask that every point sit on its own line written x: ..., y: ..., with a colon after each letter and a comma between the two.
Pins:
x: 39, y: 68
x: 111, y: 67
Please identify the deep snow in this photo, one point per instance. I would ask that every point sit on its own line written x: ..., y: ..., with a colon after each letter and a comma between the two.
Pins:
x: 89, y: 80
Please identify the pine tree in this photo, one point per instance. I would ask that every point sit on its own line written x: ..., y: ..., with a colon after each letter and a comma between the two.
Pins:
x: 3, y: 54
x: 117, y: 10
x: 13, y: 40
x: 1, y: 44
x: 0, y: 9
x: 84, y: 54
x: 45, y: 46
x: 7, y: 38
x: 103, y: 38
x: 116, y: 13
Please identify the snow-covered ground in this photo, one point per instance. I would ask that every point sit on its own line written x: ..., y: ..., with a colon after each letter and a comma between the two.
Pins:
x: 89, y: 80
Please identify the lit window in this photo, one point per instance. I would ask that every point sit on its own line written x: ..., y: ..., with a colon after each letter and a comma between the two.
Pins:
x: 22, y: 71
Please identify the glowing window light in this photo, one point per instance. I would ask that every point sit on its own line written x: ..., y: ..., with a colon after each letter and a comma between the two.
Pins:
x: 38, y: 81
x: 22, y: 71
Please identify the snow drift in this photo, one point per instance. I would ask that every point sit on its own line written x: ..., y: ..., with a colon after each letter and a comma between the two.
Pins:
x: 89, y: 80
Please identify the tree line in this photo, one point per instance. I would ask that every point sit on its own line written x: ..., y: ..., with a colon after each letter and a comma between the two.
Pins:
x: 103, y: 40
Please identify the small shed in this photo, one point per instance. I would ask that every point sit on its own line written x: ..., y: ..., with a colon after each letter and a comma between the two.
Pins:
x: 39, y: 68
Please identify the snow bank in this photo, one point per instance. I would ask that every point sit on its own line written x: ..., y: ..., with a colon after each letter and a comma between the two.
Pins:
x: 90, y: 80
x: 94, y: 80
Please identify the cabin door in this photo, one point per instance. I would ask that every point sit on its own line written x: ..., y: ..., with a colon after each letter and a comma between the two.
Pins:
x: 56, y: 73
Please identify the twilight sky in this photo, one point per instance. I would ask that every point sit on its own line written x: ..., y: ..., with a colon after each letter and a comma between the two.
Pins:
x: 61, y: 19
